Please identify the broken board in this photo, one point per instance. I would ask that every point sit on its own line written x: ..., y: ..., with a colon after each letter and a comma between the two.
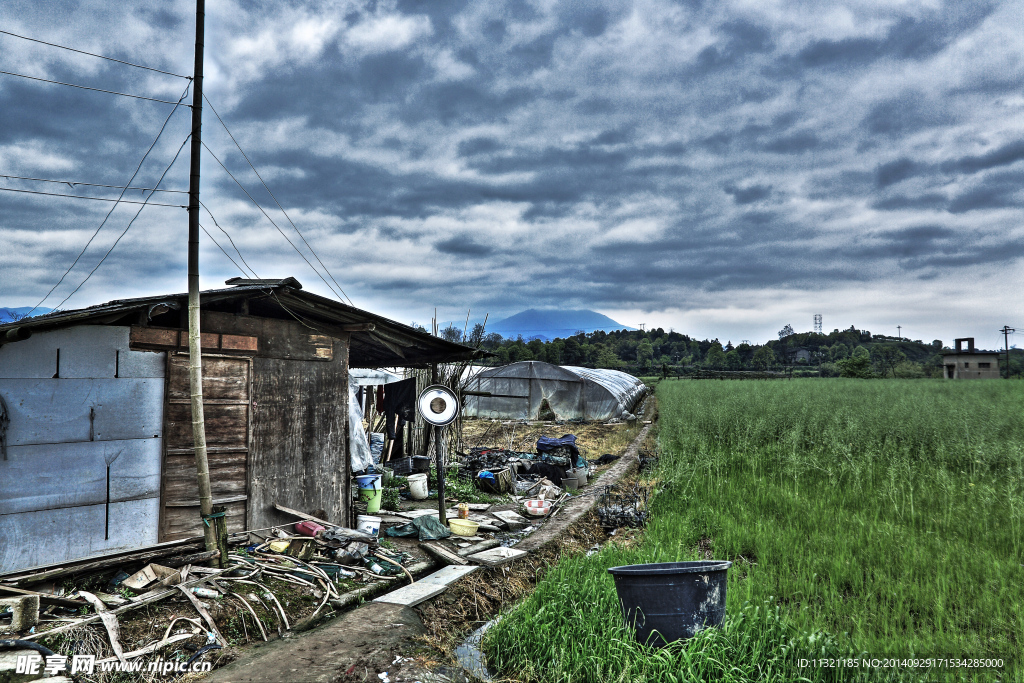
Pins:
x: 496, y: 557
x: 426, y: 588
x: 413, y: 594
x: 449, y: 575
x: 513, y: 520
x: 415, y: 514
x: 443, y: 554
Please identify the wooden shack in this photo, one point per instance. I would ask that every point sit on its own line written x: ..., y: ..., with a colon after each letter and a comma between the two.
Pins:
x: 97, y: 446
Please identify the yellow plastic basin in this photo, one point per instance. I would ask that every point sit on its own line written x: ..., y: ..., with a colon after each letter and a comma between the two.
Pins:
x: 463, y: 527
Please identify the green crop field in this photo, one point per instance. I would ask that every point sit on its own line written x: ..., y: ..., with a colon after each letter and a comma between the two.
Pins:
x: 863, y: 517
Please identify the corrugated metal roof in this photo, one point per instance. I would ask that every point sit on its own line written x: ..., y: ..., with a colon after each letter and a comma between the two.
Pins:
x: 390, y: 344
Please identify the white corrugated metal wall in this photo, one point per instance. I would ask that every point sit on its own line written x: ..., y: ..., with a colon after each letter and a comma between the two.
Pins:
x: 82, y: 474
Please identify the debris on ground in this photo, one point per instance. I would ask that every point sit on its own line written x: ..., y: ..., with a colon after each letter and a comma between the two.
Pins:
x: 282, y: 582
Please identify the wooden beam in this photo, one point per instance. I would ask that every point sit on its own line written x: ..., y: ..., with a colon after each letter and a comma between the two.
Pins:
x: 120, y: 610
x: 303, y: 515
x: 185, y: 545
x: 356, y: 327
x: 444, y: 555
x: 45, y: 598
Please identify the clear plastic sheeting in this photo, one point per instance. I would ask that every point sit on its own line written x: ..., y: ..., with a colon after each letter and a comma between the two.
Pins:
x: 522, y: 391
x: 359, y: 446
x: 371, y: 377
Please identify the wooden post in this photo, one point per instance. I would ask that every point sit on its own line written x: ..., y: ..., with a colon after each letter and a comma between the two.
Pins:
x: 195, y: 358
x: 222, y: 535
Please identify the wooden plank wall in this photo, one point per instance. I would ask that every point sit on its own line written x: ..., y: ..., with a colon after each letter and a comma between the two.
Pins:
x: 82, y: 473
x: 299, y: 450
x: 226, y: 396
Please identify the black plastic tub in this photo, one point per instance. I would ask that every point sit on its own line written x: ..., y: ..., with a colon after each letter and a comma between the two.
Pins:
x: 670, y: 601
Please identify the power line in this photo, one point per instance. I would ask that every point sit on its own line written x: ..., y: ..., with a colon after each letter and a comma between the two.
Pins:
x: 83, y: 52
x: 244, y: 274
x: 85, y: 87
x: 230, y: 240
x: 184, y: 94
x: 125, y: 231
x: 72, y: 183
x: 271, y: 221
x: 315, y: 255
x: 96, y: 199
x: 269, y: 292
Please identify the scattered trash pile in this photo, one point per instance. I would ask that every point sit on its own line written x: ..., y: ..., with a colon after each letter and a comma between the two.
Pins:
x: 484, y: 458
x: 286, y: 581
x: 556, y: 467
x: 627, y: 509
x: 648, y: 459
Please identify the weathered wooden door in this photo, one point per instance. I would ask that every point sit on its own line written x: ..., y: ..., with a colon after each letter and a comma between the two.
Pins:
x: 227, y: 387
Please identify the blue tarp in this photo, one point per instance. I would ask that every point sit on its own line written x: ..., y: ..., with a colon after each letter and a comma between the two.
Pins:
x: 546, y: 444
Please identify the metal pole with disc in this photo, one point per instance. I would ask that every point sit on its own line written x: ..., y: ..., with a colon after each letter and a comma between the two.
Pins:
x: 438, y: 406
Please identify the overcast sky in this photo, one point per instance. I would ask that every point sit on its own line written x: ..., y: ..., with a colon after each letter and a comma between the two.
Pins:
x: 721, y: 168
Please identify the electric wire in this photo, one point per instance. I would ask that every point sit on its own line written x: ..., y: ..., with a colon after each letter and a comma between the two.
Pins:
x: 73, y: 183
x: 275, y: 199
x: 125, y: 231
x: 271, y: 220
x: 96, y: 199
x: 184, y: 94
x: 269, y: 292
x: 233, y: 245
x: 85, y: 87
x: 83, y: 52
x: 244, y: 274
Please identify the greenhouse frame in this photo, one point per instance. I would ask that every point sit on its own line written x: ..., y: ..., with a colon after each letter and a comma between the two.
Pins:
x: 527, y: 389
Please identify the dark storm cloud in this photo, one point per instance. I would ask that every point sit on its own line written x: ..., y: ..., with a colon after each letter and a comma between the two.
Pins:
x: 907, y: 113
x: 657, y: 150
x: 462, y: 246
x: 748, y: 195
x: 1005, y: 155
x: 895, y: 171
x: 909, y: 38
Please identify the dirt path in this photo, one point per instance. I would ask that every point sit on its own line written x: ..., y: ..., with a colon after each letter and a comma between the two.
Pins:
x: 376, y: 637
x: 350, y: 648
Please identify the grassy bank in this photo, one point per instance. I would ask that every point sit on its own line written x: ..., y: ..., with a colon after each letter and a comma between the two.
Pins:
x: 862, y: 517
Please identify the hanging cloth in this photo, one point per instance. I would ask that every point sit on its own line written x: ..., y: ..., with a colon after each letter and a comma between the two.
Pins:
x: 400, y: 403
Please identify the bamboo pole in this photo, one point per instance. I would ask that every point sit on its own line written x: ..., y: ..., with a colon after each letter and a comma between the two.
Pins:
x: 195, y: 359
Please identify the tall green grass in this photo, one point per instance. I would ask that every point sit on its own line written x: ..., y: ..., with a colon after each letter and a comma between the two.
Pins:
x: 861, y: 516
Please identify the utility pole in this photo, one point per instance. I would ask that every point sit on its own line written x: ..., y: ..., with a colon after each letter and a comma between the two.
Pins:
x: 899, y: 332
x: 195, y: 360
x: 1006, y: 340
x: 439, y: 457
x: 642, y: 326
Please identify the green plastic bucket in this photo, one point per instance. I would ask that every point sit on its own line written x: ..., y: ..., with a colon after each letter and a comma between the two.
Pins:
x: 372, y: 497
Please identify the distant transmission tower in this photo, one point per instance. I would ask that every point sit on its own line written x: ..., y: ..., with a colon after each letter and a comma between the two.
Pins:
x: 817, y: 323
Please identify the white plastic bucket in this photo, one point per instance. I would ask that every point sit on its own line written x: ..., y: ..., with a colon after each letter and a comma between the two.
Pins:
x: 418, y: 486
x: 368, y: 524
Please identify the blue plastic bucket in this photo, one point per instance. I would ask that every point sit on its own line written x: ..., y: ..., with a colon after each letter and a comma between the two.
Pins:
x: 671, y: 601
x: 369, y: 481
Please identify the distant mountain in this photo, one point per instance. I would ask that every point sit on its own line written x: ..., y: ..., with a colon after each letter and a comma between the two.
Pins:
x: 9, y: 314
x: 552, y: 324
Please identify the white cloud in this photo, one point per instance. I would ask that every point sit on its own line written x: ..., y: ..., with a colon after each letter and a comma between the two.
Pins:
x: 387, y: 33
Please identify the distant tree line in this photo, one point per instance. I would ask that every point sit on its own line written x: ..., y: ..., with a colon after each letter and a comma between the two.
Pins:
x: 841, y: 353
